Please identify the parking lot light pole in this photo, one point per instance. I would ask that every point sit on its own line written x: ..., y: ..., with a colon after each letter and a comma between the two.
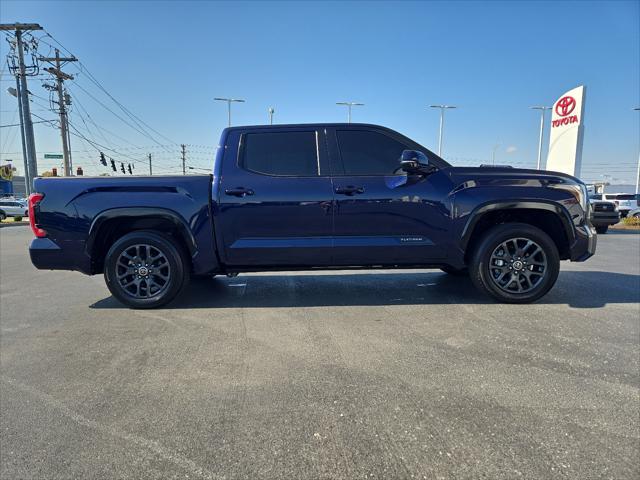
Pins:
x: 493, y: 153
x: 442, y: 109
x: 271, y: 112
x: 638, y: 170
x: 350, y: 105
x: 229, y: 102
x: 542, y: 111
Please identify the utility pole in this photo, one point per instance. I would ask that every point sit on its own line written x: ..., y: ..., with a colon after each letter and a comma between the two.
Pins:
x: 29, y: 145
x: 184, y: 159
x: 27, y: 181
x: 542, y: 110
x: 271, y: 112
x: 442, y: 109
x: 350, y: 105
x: 62, y: 102
x: 150, y: 169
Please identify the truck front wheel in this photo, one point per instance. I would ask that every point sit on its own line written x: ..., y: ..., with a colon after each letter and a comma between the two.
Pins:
x: 515, y: 263
x: 145, y: 269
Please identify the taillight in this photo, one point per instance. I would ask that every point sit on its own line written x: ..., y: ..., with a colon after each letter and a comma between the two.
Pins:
x: 34, y: 199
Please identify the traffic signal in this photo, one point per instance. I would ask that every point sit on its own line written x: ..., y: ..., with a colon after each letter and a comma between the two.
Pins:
x: 122, y: 167
x: 103, y: 160
x: 113, y: 165
x: 130, y: 172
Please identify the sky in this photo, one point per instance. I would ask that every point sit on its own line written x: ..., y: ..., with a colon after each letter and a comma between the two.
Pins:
x: 166, y: 61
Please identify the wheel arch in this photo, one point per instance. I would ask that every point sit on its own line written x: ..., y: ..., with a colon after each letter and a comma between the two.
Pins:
x: 112, y: 224
x: 549, y: 216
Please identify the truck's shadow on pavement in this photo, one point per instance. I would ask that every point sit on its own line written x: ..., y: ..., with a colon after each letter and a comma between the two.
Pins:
x: 589, y: 289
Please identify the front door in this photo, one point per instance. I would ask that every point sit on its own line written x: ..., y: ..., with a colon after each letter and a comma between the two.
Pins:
x: 384, y: 216
x: 275, y: 198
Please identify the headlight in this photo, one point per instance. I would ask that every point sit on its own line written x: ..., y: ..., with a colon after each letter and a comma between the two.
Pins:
x: 579, y: 191
x: 584, y: 196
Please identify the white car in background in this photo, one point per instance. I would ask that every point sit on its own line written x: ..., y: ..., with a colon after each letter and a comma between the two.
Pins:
x: 624, y: 201
x: 13, y: 208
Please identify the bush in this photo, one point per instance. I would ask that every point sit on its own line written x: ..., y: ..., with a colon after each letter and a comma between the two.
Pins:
x: 631, y: 221
x: 17, y: 218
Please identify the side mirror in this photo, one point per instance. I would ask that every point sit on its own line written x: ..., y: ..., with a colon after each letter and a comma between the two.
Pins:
x: 414, y: 161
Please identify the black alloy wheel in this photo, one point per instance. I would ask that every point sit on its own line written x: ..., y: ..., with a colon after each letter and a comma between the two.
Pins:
x: 146, y: 269
x: 518, y: 265
x: 515, y: 263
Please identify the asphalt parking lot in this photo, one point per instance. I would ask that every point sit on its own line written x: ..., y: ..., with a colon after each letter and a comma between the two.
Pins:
x: 392, y: 374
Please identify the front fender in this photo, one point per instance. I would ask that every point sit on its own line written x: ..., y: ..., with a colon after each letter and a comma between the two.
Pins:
x: 477, y: 213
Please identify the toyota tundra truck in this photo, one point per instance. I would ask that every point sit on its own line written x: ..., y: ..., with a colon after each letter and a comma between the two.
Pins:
x: 310, y: 197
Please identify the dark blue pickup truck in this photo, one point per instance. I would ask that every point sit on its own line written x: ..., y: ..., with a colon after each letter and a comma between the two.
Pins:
x: 320, y: 196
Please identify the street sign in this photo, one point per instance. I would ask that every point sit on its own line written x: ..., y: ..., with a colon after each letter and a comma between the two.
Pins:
x: 54, y: 155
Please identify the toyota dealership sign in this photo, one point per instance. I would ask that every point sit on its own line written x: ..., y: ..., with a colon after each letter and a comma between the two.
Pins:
x: 567, y: 131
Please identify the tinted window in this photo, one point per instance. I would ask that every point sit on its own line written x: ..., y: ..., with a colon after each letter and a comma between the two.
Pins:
x: 281, y: 153
x: 596, y: 197
x: 629, y: 196
x: 369, y: 153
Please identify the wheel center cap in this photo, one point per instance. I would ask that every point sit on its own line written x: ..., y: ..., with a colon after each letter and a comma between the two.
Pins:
x: 144, y: 271
x: 517, y: 265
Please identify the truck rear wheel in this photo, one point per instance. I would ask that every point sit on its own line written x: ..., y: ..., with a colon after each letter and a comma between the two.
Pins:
x: 145, y: 269
x: 602, y: 229
x: 515, y: 263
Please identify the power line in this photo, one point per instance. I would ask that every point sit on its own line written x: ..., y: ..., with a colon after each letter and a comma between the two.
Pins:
x: 128, y: 112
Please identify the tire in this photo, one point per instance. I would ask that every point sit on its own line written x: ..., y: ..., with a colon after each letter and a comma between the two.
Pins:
x: 26, y: 213
x: 535, y: 267
x: 151, y: 289
x: 456, y: 272
x: 2, y: 215
x: 601, y: 230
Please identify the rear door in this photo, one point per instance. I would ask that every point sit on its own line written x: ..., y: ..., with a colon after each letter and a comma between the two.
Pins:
x: 275, y: 198
x: 384, y: 216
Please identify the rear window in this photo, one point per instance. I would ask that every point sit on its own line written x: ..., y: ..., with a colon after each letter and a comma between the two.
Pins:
x: 281, y: 153
x: 629, y: 196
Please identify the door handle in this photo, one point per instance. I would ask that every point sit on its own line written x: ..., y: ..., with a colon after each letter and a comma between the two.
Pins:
x: 239, y: 191
x: 349, y: 190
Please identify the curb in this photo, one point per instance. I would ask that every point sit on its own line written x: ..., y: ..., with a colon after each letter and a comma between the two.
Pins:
x: 13, y: 224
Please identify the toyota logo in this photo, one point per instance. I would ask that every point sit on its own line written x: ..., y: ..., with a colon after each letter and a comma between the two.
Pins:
x: 565, y: 106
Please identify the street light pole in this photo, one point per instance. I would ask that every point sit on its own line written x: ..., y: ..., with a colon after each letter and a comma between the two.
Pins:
x: 229, y: 101
x: 442, y: 109
x: 349, y: 105
x: 542, y: 110
x: 271, y: 112
x: 493, y: 153
x: 638, y: 170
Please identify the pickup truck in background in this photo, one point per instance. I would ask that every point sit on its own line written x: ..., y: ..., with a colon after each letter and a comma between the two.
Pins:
x: 318, y: 196
x: 603, y: 215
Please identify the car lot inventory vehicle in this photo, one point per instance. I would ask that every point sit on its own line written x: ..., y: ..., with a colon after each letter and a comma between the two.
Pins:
x: 13, y: 208
x: 624, y: 201
x: 300, y: 197
x: 604, y: 214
